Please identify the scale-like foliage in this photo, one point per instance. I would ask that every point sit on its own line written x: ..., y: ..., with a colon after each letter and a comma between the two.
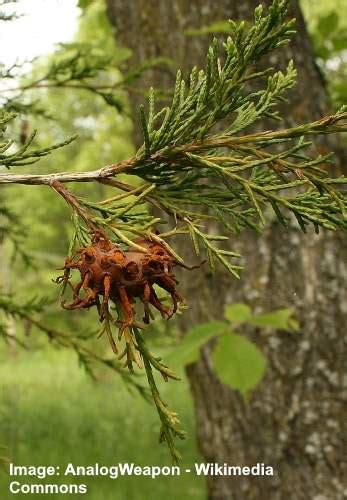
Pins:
x: 196, y: 171
x: 24, y: 155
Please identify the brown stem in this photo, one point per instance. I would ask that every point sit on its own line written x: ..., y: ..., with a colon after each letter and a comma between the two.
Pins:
x: 46, y: 179
x: 326, y: 125
x: 72, y: 201
x: 37, y: 85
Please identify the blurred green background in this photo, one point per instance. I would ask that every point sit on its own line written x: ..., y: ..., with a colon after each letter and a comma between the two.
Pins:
x: 52, y: 413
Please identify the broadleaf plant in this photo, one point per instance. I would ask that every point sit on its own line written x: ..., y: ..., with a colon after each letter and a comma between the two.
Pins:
x: 200, y: 163
x: 236, y: 360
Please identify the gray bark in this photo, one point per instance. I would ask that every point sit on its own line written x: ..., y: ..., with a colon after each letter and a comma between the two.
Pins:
x: 296, y: 420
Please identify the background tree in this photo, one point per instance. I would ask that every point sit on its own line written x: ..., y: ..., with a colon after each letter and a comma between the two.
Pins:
x: 295, y: 420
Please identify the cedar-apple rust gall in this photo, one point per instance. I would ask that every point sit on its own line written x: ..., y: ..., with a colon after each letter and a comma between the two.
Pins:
x: 110, y: 274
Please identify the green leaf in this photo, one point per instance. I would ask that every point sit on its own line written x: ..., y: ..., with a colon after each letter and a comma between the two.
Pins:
x: 340, y: 90
x: 83, y: 4
x: 238, y: 363
x: 282, y: 319
x: 323, y: 52
x: 340, y: 41
x: 120, y: 55
x: 237, y: 313
x: 189, y: 348
x: 328, y: 24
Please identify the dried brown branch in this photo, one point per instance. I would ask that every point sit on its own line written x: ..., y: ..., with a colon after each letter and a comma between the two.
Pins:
x: 327, y: 125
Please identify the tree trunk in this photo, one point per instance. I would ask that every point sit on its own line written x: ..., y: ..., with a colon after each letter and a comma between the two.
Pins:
x: 296, y: 420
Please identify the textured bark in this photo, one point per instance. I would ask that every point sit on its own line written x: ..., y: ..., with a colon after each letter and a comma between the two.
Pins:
x: 296, y: 420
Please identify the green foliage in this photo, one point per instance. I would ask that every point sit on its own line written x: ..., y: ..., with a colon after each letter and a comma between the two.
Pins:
x: 188, y: 350
x: 328, y: 28
x: 237, y: 361
x: 75, y: 66
x: 328, y: 24
x: 218, y: 91
x: 83, y: 4
x: 237, y: 313
x: 91, y: 65
x: 104, y: 136
x: 246, y: 173
x: 4, y: 461
x: 12, y: 230
x: 24, y: 155
x: 280, y: 320
x: 197, y: 174
x: 53, y: 413
x: 87, y: 358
